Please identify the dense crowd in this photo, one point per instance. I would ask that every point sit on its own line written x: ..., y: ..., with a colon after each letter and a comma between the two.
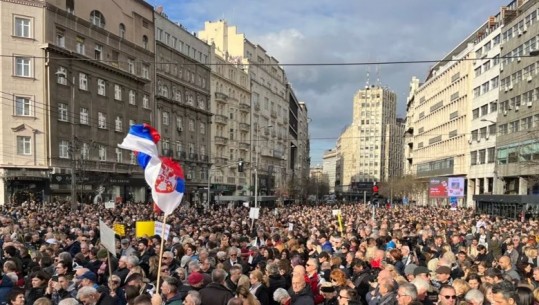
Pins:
x: 297, y: 255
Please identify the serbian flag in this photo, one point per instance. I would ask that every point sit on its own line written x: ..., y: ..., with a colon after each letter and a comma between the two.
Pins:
x: 162, y: 174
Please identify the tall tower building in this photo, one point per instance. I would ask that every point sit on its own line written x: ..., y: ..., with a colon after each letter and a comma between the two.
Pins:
x: 364, y: 144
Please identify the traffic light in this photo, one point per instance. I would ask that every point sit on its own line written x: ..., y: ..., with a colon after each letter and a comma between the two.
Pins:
x: 375, y: 190
x: 240, y: 166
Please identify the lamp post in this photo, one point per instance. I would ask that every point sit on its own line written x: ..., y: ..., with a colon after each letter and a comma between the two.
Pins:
x: 72, y: 119
x: 256, y: 161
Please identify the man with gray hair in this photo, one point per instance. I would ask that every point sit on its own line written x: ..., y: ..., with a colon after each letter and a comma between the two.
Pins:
x: 87, y: 295
x: 406, y: 294
x: 69, y: 301
x: 216, y: 292
x: 474, y: 297
x: 192, y: 298
x: 281, y: 296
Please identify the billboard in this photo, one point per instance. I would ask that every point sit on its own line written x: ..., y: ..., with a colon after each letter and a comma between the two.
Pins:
x: 443, y: 187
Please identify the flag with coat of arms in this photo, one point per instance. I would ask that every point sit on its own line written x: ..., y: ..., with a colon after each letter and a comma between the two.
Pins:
x: 162, y: 174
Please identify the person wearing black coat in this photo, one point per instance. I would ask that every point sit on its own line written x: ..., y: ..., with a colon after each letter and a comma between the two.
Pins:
x: 216, y: 293
x: 276, y: 281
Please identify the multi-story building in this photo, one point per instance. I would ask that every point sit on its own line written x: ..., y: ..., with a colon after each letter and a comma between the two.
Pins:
x: 24, y: 152
x: 299, y: 163
x: 394, y: 150
x: 183, y: 114
x: 517, y: 157
x: 409, y: 128
x: 440, y: 123
x: 374, y: 110
x: 98, y: 68
x: 485, y: 84
x: 269, y: 102
x: 231, y: 106
x: 329, y: 167
x: 303, y: 158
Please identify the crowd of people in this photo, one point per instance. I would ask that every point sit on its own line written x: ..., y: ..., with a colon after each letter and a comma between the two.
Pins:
x: 293, y: 255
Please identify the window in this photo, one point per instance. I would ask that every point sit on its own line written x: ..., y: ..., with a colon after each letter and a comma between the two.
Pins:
x: 24, y: 146
x: 132, y: 158
x: 60, y: 38
x: 179, y: 122
x: 84, y: 116
x: 98, y: 52
x: 61, y: 76
x: 62, y: 112
x: 145, y: 72
x: 23, y: 27
x: 145, y: 102
x: 79, y: 46
x: 85, y: 151
x: 131, y: 65
x: 202, y: 128
x: 118, y: 124
x: 482, y: 156
x: 102, y: 153
x: 23, y: 67
x: 132, y: 97
x: 23, y: 106
x: 490, y: 154
x: 475, y: 113
x: 101, y: 88
x: 117, y: 92
x: 119, y: 155
x: 64, y: 149
x: 473, y: 157
x: 191, y: 125
x: 165, y: 118
x: 131, y: 123
x: 70, y: 6
x: 121, y: 30
x: 83, y: 81
x: 101, y: 120
x: 145, y: 42
x: 97, y: 19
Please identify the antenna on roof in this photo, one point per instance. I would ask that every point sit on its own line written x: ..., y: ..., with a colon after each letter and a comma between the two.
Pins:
x: 368, y: 76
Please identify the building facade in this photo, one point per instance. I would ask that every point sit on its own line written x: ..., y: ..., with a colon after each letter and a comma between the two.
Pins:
x: 99, y: 67
x: 24, y: 152
x: 329, y: 167
x: 269, y: 103
x: 183, y: 112
x: 485, y: 84
x: 517, y: 157
x: 303, y: 159
x: 409, y: 128
x: 394, y: 150
x: 231, y: 127
x: 441, y: 118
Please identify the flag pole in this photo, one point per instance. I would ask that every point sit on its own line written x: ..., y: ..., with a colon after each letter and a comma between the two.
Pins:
x: 161, y: 252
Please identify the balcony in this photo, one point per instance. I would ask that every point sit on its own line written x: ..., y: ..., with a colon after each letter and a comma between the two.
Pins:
x: 244, y: 146
x: 221, y: 97
x: 244, y: 106
x: 166, y: 152
x: 180, y: 155
x: 221, y: 119
x: 220, y: 140
x: 266, y: 152
x: 221, y: 161
x: 244, y: 127
x: 193, y: 157
x: 204, y: 158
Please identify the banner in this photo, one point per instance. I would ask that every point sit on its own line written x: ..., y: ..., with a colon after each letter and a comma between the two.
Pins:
x: 158, y: 230
x: 444, y: 187
x: 453, y: 201
x: 107, y: 237
x: 254, y: 213
x: 144, y: 229
x: 109, y: 204
x: 119, y: 229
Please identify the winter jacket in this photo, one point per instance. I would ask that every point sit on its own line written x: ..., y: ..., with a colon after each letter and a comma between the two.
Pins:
x: 215, y: 294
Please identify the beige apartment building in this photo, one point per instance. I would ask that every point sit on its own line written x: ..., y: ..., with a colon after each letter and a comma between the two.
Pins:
x: 363, y: 144
x: 485, y: 84
x: 329, y: 167
x: 409, y: 128
x: 24, y: 152
x: 183, y: 112
x: 270, y: 139
x: 231, y: 127
x: 440, y: 124
x: 302, y: 164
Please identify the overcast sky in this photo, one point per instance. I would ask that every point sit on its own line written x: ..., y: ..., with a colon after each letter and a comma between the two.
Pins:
x: 343, y: 31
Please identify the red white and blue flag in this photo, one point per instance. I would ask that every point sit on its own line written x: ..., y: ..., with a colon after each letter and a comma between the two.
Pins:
x: 162, y: 174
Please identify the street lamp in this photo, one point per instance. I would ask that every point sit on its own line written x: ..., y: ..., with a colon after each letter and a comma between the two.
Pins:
x: 256, y: 161
x: 73, y: 182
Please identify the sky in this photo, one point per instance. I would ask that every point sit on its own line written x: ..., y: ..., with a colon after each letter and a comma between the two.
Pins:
x: 343, y: 31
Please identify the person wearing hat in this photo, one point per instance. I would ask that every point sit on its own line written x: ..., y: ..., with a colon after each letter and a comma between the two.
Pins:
x: 126, y: 248
x: 196, y: 280
x: 329, y: 293
x: 88, y: 279
x: 409, y: 272
x: 443, y: 277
